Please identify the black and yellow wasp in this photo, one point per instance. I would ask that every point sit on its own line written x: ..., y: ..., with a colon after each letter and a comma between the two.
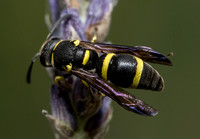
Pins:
x: 106, y: 67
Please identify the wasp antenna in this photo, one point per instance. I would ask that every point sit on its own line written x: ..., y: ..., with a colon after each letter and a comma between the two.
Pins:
x: 47, y: 21
x: 55, y: 30
x: 28, y: 76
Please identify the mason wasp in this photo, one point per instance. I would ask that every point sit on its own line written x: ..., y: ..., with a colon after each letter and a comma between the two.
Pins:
x: 105, y: 67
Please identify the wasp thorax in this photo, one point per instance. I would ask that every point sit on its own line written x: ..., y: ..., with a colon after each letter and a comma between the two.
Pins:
x: 60, y: 53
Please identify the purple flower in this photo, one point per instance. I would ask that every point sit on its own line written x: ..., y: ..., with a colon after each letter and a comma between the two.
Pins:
x: 80, y: 102
x: 76, y: 109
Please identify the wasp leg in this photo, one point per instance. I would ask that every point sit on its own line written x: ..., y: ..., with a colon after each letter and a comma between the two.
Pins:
x: 95, y: 92
x: 59, y: 79
x: 91, y: 90
x: 62, y: 82
x: 94, y: 39
x: 68, y: 68
x: 170, y: 54
x: 76, y: 42
x: 85, y: 83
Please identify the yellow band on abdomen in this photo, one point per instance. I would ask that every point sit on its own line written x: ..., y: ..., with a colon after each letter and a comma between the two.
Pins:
x: 105, y: 65
x: 138, y: 73
x: 86, y: 57
x: 52, y: 55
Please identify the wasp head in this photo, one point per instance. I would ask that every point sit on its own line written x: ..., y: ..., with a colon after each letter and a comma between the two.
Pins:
x: 46, y: 52
x: 45, y: 56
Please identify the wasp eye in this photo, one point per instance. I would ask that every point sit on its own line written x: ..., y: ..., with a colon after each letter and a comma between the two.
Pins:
x: 42, y: 60
x: 46, y: 51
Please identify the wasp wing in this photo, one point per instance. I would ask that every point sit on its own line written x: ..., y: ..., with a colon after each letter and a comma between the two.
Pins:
x: 143, y: 52
x: 123, y: 98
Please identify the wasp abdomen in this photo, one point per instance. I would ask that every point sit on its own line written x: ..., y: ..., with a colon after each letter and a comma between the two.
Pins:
x: 128, y: 71
x: 150, y: 79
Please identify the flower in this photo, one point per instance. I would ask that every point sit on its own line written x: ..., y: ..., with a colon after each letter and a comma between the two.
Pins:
x: 78, y: 110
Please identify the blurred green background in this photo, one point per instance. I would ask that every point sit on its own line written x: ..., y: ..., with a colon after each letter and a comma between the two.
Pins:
x: 166, y: 26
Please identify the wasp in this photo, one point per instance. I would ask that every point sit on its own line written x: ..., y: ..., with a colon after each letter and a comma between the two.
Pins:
x: 106, y: 67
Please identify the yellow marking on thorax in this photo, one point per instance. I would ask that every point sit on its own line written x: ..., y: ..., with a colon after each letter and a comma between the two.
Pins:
x: 76, y: 42
x: 68, y: 68
x: 86, y: 57
x: 52, y: 55
x: 105, y: 65
x: 138, y: 73
x: 58, y: 79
